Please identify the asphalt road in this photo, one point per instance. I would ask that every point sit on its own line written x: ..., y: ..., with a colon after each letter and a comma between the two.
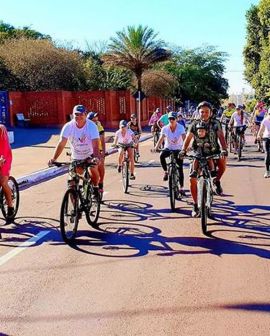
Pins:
x: 147, y: 270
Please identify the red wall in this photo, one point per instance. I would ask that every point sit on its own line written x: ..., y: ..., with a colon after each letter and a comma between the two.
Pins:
x: 53, y: 108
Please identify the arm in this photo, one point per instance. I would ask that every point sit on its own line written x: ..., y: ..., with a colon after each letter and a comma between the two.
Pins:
x: 115, y: 142
x: 187, y: 141
x: 102, y: 139
x: 222, y: 139
x: 160, y: 140
x: 261, y: 130
x: 59, y: 149
x: 95, y: 143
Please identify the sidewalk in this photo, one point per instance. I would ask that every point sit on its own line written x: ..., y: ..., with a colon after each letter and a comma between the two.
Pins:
x: 32, y: 149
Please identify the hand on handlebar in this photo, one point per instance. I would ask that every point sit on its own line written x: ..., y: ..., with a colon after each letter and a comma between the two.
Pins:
x: 224, y: 153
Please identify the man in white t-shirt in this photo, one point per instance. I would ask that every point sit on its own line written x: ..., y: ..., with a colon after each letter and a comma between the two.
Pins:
x: 83, y: 137
x: 174, y: 135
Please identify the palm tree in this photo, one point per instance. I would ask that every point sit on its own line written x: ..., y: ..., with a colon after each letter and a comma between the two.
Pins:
x: 136, y: 49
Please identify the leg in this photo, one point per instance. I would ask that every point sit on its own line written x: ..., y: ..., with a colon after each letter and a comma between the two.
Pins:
x: 94, y: 176
x: 131, y: 158
x: 193, y: 189
x: 221, y: 164
x: 180, y: 169
x: 163, y: 155
x: 101, y: 171
x: 267, y: 154
x: 6, y: 190
x: 120, y: 157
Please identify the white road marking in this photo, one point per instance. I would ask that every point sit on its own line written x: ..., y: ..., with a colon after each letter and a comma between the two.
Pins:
x: 6, y: 257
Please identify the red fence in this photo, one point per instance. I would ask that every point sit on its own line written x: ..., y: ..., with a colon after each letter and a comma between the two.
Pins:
x: 53, y: 108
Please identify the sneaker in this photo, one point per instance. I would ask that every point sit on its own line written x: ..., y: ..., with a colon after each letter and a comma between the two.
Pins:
x: 193, y: 174
x: 165, y: 177
x: 266, y: 174
x: 219, y: 190
x: 195, y: 211
x: 132, y: 177
x: 119, y: 168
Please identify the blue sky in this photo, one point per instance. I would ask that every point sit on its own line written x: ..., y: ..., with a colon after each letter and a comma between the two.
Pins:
x: 186, y: 23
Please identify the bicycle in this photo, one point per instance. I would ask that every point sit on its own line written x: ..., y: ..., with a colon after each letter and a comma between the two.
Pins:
x: 78, y: 198
x: 125, y: 165
x: 156, y: 136
x: 13, y: 184
x: 173, y: 179
x: 239, y: 139
x: 205, y: 188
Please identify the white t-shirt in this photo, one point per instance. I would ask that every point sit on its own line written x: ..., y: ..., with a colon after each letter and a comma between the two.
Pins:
x: 237, y: 119
x: 173, y: 140
x: 127, y: 138
x: 80, y: 139
x: 266, y: 123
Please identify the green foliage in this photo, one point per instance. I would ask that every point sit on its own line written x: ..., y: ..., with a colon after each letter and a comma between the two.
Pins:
x: 136, y: 49
x: 7, y: 31
x: 199, y: 74
x: 257, y: 49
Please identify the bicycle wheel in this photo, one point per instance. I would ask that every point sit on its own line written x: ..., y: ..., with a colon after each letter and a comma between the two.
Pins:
x: 239, y: 141
x: 202, y: 198
x: 156, y: 137
x: 15, y: 198
x: 125, y: 176
x: 172, y: 188
x: 92, y: 209
x: 69, y: 215
x: 136, y: 156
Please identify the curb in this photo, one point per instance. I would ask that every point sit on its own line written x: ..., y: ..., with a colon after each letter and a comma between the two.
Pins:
x: 51, y: 172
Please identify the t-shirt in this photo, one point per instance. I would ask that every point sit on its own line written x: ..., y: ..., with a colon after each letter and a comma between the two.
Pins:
x: 259, y: 115
x: 266, y: 123
x: 229, y: 113
x: 173, y: 140
x: 126, y: 139
x: 134, y: 127
x: 239, y: 120
x: 5, y: 152
x: 164, y: 119
x: 213, y: 126
x: 80, y: 139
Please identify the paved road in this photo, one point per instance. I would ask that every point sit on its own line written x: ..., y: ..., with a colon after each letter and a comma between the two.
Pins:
x: 146, y: 271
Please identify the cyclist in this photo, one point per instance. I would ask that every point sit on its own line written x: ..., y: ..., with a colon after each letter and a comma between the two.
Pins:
x: 5, y: 166
x: 226, y: 117
x: 238, y: 120
x: 83, y: 138
x: 164, y: 120
x: 174, y: 135
x: 125, y: 136
x: 136, y: 129
x: 257, y: 117
x: 216, y: 135
x: 264, y: 133
x: 153, y: 121
x: 102, y: 148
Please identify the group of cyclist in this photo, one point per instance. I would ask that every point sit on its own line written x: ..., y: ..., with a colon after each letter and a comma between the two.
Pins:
x: 204, y: 136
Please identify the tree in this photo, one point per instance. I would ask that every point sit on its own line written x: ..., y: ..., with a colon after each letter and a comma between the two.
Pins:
x: 7, y: 31
x: 39, y: 65
x: 136, y: 49
x: 199, y: 74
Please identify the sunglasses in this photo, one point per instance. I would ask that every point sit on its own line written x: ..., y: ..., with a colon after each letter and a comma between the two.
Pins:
x: 78, y: 114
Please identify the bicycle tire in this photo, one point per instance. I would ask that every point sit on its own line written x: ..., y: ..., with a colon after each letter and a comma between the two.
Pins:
x: 15, y: 198
x: 171, y: 188
x: 92, y: 210
x: 202, y: 204
x: 136, y: 156
x: 69, y: 212
x: 125, y: 176
x: 239, y: 140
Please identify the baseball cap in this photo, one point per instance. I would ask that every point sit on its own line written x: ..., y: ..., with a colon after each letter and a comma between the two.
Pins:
x: 92, y: 115
x: 79, y: 109
x: 133, y: 115
x: 240, y: 107
x: 172, y: 115
x: 123, y: 123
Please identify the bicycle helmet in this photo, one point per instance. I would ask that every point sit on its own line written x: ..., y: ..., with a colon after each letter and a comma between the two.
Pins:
x: 123, y: 123
x: 204, y: 104
x: 201, y: 125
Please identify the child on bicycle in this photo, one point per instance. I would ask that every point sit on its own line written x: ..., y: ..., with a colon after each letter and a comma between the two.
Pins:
x: 5, y: 166
x: 125, y: 137
x: 202, y: 147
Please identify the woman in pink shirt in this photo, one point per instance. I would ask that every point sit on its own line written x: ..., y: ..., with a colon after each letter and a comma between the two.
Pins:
x: 5, y: 166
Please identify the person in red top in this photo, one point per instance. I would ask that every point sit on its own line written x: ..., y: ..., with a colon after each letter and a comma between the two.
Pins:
x: 5, y: 166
